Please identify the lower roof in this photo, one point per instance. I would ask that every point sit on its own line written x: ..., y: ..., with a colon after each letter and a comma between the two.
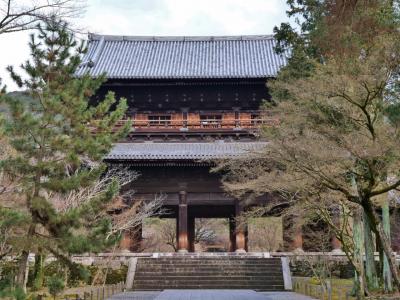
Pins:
x: 152, y: 151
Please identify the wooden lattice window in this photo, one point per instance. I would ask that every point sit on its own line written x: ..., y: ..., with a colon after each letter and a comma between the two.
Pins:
x: 159, y: 120
x: 210, y: 120
x: 255, y: 119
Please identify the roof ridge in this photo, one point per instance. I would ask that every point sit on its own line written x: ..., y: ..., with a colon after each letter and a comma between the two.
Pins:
x: 95, y: 37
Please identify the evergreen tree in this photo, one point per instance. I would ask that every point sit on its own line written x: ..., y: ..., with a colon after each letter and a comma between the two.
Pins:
x: 59, y: 140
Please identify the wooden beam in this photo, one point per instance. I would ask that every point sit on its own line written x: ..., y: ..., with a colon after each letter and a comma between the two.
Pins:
x: 183, y: 246
x: 240, y: 229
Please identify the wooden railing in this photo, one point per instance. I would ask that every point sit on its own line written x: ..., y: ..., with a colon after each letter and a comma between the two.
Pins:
x: 202, y: 124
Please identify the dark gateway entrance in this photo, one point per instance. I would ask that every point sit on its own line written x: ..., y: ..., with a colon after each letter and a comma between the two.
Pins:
x: 191, y: 100
x: 190, y: 190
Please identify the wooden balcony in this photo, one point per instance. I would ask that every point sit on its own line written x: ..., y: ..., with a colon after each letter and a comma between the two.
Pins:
x: 199, y: 125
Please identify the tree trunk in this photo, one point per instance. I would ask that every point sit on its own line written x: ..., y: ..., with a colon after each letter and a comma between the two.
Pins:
x: 23, y: 268
x: 387, y: 276
x: 359, y: 285
x: 371, y: 275
x: 391, y: 260
x: 383, y: 239
x: 381, y: 254
x: 38, y: 271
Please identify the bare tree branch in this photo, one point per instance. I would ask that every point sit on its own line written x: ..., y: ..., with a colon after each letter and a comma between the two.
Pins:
x: 17, y: 15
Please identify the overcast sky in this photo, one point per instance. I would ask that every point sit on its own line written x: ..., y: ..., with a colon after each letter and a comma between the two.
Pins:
x: 161, y: 17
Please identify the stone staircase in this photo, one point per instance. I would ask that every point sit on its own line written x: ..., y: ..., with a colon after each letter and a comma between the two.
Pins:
x: 219, y: 272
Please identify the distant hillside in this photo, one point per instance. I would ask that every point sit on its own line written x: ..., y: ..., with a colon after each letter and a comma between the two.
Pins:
x: 24, y: 96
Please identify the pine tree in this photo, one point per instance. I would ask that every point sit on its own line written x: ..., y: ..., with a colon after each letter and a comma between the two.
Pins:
x: 59, y: 141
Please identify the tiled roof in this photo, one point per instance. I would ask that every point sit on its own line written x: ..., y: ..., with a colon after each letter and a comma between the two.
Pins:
x: 182, y: 151
x: 126, y: 57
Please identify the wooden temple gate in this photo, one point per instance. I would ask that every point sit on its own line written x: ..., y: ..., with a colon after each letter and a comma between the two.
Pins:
x: 191, y: 100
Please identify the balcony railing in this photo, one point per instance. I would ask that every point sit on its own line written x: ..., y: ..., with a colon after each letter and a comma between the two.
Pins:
x: 205, y: 124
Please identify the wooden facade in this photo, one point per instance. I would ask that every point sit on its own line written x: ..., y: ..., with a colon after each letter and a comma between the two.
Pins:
x: 191, y: 100
x: 175, y: 110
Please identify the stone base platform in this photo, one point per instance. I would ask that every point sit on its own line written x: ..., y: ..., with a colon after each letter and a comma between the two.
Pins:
x: 209, y: 295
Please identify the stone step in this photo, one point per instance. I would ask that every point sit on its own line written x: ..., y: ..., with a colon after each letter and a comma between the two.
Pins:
x: 212, y: 264
x: 209, y: 277
x: 194, y: 273
x: 213, y: 260
x: 211, y: 284
x: 209, y: 287
x: 209, y: 273
x: 213, y: 273
x: 208, y: 270
x: 193, y: 287
x: 210, y: 267
x: 195, y: 261
x: 210, y: 257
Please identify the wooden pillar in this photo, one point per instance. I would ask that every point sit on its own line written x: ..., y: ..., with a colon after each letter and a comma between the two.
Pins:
x: 240, y: 229
x: 237, y: 117
x: 232, y: 234
x: 132, y: 239
x: 297, y: 241
x: 126, y: 240
x: 185, y: 118
x: 191, y: 233
x: 246, y: 237
x: 138, y: 237
x: 182, y: 223
x: 292, y: 233
x: 335, y: 243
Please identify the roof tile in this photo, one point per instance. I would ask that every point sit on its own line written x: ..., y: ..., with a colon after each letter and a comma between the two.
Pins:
x: 122, y: 57
x: 182, y: 151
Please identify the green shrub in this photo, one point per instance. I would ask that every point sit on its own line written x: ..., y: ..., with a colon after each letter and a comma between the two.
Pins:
x: 116, y: 276
x: 55, y: 285
x: 8, y: 271
x: 113, y: 276
x: 54, y: 268
x: 74, y: 276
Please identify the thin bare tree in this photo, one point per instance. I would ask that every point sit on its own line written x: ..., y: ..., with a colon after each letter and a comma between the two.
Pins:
x: 168, y: 235
x: 20, y: 15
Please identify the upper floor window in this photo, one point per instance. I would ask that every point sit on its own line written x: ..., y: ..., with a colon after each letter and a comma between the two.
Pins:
x: 211, y: 117
x: 159, y: 120
x: 210, y: 120
x: 255, y: 119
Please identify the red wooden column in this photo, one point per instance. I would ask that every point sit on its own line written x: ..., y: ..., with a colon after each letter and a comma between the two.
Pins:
x: 297, y: 241
x: 240, y: 230
x: 127, y: 241
x: 246, y: 237
x: 232, y: 234
x: 191, y: 233
x: 182, y: 223
x: 335, y: 243
x: 132, y: 239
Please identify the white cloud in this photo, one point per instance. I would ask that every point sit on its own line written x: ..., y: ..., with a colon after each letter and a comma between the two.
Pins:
x: 161, y: 17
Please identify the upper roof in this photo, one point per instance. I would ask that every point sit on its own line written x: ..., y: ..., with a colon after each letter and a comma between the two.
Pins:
x: 183, y: 151
x: 140, y: 57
